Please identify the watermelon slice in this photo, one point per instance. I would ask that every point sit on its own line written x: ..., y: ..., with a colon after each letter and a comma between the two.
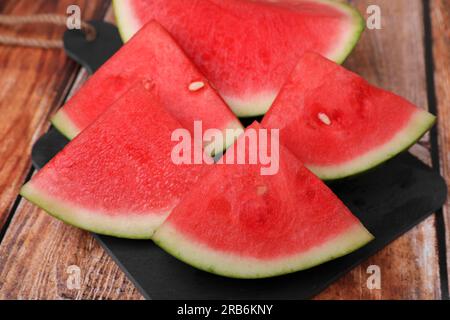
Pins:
x: 151, y: 54
x: 338, y: 124
x: 117, y: 177
x: 248, y: 48
x: 241, y: 224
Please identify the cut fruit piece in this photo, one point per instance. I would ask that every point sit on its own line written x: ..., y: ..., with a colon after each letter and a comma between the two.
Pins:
x: 338, y: 124
x: 117, y: 177
x: 248, y: 48
x: 151, y: 54
x: 241, y: 224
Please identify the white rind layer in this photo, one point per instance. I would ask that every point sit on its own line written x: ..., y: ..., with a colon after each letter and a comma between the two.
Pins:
x: 260, y: 102
x: 245, y: 108
x: 234, y: 266
x: 349, y: 36
x: 419, y: 123
x: 129, y: 225
x: 230, y: 134
x: 127, y: 22
x: 64, y: 125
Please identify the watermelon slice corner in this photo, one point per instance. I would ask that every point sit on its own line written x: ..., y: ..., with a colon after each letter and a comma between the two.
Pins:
x: 343, y: 125
x: 232, y: 265
x: 121, y: 226
x: 154, y: 55
x: 117, y: 176
x: 240, y: 224
x: 247, y: 48
x: 62, y: 122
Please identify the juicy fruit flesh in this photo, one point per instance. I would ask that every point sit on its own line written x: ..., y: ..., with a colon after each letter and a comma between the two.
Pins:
x: 326, y: 123
x: 341, y: 122
x: 236, y: 266
x: 266, y: 225
x: 248, y: 48
x: 152, y: 55
x: 119, y: 168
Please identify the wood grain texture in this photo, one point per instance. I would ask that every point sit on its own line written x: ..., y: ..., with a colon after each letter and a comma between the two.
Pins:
x: 37, y: 249
x: 37, y: 254
x: 40, y: 250
x: 440, y: 19
x: 32, y: 83
x: 393, y: 58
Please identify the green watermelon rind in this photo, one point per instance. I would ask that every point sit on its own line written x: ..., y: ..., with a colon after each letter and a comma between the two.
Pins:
x: 233, y: 266
x: 260, y: 105
x: 64, y: 125
x: 421, y: 121
x: 126, y: 30
x: 122, y: 21
x: 359, y: 25
x: 127, y: 226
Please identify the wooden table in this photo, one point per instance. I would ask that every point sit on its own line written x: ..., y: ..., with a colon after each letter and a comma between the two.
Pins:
x: 410, y: 55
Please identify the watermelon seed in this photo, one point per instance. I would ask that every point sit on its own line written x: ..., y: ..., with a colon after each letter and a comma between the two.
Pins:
x: 261, y: 190
x: 324, y: 118
x: 148, y: 84
x: 197, y: 85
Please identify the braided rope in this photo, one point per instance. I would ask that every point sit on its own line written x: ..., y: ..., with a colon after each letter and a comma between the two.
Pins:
x: 55, y: 19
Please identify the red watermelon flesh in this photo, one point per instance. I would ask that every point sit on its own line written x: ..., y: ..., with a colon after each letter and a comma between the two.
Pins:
x: 338, y: 124
x: 248, y: 48
x: 152, y: 54
x: 239, y: 223
x: 117, y: 177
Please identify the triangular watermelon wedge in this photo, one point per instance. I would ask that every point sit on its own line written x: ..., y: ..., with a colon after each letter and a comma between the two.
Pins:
x: 241, y: 224
x: 247, y: 48
x: 152, y: 54
x: 117, y: 177
x: 338, y: 124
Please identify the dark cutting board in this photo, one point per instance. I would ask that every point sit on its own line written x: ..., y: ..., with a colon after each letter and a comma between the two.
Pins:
x: 389, y: 201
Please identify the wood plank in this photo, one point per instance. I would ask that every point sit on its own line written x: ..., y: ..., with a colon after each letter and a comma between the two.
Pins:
x: 440, y: 18
x: 33, y: 82
x: 393, y: 58
x: 40, y: 250
x: 409, y: 268
x: 37, y: 254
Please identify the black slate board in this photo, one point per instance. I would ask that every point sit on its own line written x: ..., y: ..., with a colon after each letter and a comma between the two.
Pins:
x: 389, y: 201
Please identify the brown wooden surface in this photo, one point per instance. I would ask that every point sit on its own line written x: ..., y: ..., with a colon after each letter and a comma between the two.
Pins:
x: 393, y: 58
x: 440, y: 14
x: 38, y: 249
x: 33, y: 82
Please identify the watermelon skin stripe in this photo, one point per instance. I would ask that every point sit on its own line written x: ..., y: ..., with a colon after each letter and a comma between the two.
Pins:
x: 421, y: 121
x: 234, y: 266
x: 127, y: 226
x: 259, y: 102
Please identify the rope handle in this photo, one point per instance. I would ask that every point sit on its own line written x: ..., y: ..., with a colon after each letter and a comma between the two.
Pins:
x: 55, y: 19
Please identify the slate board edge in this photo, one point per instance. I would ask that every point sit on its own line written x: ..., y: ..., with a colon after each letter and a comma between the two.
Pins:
x: 314, y: 293
x: 136, y: 283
